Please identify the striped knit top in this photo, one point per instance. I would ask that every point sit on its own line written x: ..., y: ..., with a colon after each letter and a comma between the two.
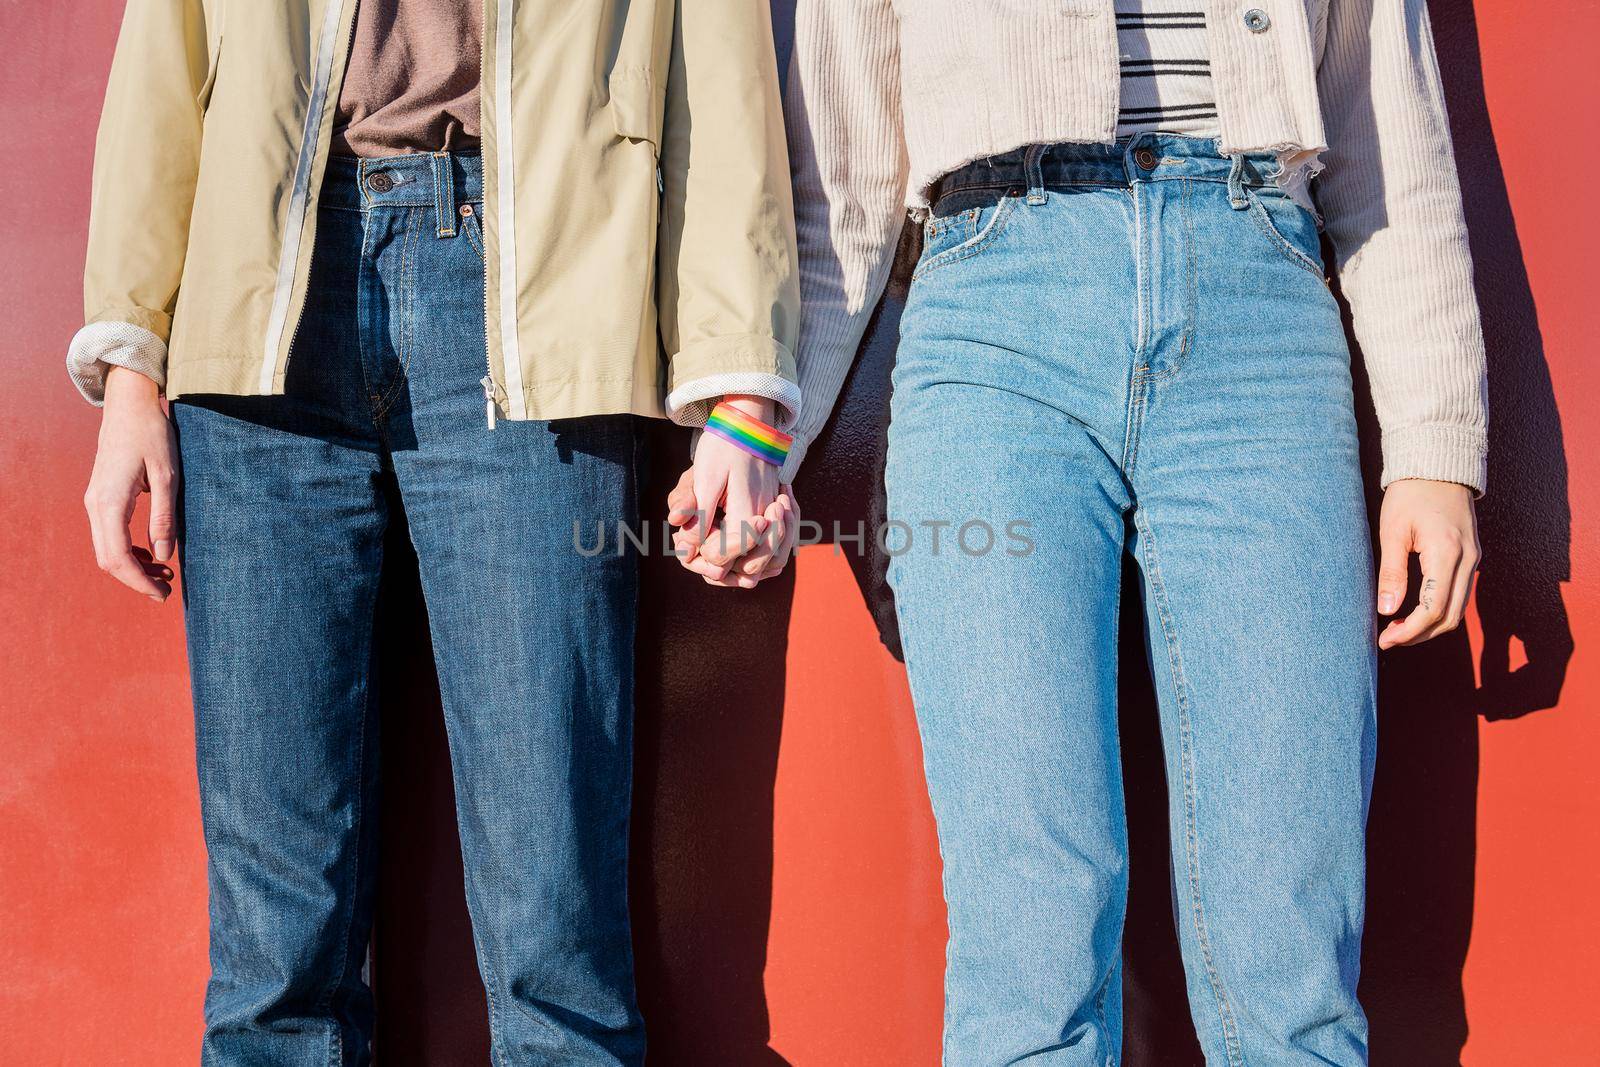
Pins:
x: 1166, y: 69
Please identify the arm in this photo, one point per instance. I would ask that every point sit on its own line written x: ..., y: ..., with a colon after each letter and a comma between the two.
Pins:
x: 849, y: 176
x: 728, y: 296
x: 842, y: 104
x: 1392, y: 203
x: 147, y: 158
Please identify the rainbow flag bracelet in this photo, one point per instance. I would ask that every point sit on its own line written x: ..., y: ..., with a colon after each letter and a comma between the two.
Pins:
x: 754, y: 436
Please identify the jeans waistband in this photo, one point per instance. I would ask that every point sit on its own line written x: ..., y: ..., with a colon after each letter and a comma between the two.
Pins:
x: 441, y: 180
x: 1144, y: 158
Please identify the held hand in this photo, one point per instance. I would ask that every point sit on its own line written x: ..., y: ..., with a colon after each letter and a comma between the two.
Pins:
x: 771, y: 553
x: 726, y: 477
x: 138, y: 453
x: 1436, y: 521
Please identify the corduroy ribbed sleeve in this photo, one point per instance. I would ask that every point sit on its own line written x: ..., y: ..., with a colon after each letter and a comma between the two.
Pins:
x: 847, y: 151
x: 1392, y: 205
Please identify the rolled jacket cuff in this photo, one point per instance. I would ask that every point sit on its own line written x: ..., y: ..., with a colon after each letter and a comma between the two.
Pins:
x: 745, y: 354
x: 99, y: 346
x: 690, y: 404
x: 1438, y: 453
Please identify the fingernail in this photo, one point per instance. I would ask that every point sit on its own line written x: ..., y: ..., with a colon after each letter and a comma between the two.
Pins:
x: 163, y: 549
x: 1386, y: 603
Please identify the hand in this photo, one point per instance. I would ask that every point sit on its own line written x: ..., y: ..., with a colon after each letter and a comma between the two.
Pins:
x: 138, y: 453
x: 771, y: 553
x: 1436, y: 521
x: 726, y: 477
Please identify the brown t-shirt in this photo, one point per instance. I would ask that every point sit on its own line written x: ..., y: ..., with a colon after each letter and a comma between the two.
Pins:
x: 412, y: 81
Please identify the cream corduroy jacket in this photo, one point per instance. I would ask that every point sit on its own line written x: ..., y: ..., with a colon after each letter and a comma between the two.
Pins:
x: 886, y: 96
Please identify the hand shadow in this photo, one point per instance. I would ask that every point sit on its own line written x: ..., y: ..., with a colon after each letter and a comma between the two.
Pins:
x: 1422, y: 836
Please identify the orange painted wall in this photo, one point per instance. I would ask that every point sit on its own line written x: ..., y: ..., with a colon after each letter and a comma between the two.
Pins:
x: 786, y: 874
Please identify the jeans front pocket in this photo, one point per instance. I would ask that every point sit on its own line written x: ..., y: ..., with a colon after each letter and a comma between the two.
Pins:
x: 1289, y: 228
x: 952, y: 238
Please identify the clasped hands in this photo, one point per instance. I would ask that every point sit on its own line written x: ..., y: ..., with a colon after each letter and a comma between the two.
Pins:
x: 735, y: 523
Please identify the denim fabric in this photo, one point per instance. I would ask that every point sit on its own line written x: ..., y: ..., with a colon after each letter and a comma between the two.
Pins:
x: 286, y: 500
x: 1132, y: 349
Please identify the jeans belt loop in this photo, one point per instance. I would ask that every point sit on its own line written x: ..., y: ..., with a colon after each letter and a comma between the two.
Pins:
x: 1033, y: 171
x: 444, y: 193
x: 1236, y: 197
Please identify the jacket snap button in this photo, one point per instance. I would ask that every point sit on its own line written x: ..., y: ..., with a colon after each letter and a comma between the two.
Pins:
x: 466, y: 211
x: 1257, y: 20
x: 1146, y: 158
x: 380, y: 183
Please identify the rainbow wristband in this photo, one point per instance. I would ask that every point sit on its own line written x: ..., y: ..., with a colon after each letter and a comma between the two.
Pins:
x: 752, y: 435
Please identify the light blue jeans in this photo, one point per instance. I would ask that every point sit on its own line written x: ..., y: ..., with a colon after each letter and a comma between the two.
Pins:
x: 1132, y: 349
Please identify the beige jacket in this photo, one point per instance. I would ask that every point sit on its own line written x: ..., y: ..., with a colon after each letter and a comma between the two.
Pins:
x: 637, y: 216
x: 885, y: 96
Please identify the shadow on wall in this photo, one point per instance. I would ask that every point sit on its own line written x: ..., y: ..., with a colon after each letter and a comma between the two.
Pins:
x: 704, y: 786
x: 1423, y: 835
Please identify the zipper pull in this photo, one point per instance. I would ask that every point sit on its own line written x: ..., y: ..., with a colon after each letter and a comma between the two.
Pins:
x: 488, y: 398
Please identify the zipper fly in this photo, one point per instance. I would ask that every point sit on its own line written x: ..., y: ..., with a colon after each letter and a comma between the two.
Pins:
x: 311, y: 147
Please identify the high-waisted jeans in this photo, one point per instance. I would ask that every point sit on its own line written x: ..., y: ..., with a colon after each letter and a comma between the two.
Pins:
x: 1132, y: 349
x: 286, y: 500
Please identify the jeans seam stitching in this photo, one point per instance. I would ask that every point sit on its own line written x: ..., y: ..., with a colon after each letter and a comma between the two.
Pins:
x: 485, y: 950
x: 361, y: 266
x: 1191, y: 289
x: 325, y: 1000
x: 1133, y: 422
x: 1141, y: 340
x: 1137, y: 378
x: 407, y: 279
x: 1186, y: 341
x: 1191, y: 842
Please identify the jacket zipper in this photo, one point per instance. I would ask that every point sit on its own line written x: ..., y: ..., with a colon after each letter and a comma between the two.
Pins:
x: 505, y: 220
x: 487, y: 381
x: 299, y: 197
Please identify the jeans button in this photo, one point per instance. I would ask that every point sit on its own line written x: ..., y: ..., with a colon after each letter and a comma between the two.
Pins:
x: 1146, y: 158
x: 1257, y: 20
x: 380, y: 183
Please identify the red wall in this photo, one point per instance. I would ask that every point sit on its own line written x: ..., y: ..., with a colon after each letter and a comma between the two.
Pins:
x: 786, y: 875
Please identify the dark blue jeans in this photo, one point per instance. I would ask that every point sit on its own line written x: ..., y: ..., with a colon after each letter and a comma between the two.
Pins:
x: 286, y: 500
